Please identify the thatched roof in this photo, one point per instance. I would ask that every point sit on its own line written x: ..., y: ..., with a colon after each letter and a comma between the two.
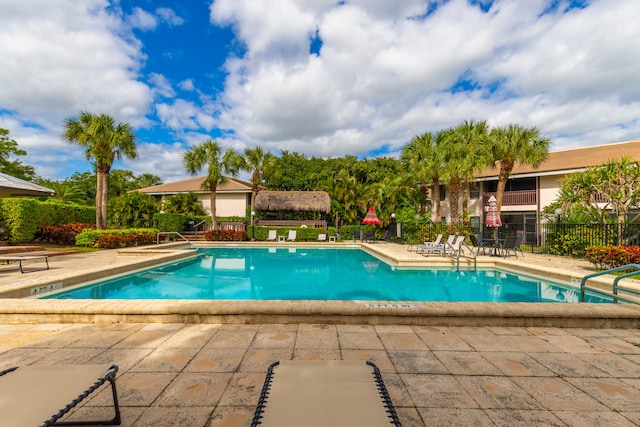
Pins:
x: 274, y: 201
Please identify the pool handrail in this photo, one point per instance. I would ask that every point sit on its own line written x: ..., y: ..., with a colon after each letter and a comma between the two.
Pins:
x: 615, y: 287
x: 171, y: 232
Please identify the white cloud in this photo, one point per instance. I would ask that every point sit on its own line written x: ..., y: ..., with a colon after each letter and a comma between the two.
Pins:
x: 169, y: 16
x: 142, y: 20
x: 386, y: 73
x: 161, y: 85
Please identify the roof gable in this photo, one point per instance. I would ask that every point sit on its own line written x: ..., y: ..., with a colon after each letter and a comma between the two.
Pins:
x: 573, y: 159
x: 195, y: 185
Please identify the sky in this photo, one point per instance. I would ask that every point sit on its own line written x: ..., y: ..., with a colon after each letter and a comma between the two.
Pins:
x: 322, y: 78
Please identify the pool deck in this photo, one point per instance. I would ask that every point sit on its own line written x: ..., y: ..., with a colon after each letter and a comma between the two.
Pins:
x: 193, y: 373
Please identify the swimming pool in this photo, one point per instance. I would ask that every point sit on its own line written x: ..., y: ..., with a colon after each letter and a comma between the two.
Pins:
x: 241, y: 273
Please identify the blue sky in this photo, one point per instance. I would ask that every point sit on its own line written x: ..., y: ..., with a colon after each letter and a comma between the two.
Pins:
x: 320, y: 77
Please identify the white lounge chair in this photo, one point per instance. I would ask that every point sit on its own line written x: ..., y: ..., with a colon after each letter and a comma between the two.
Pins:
x: 438, y: 249
x: 429, y: 245
x: 455, y: 247
x: 272, y: 236
x: 322, y: 237
x: 292, y: 236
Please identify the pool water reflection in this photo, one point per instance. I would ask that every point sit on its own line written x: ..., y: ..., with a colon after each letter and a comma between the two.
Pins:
x: 319, y: 274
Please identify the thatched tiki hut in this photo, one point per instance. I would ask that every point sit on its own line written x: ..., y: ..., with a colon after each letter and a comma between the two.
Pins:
x: 293, y: 201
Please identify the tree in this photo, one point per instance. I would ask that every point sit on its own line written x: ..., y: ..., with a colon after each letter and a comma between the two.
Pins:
x: 473, y: 137
x: 218, y: 164
x: 511, y: 144
x: 146, y: 180
x: 65, y: 191
x: 613, y: 186
x: 104, y: 141
x: 132, y: 209
x: 8, y: 148
x: 183, y: 203
x: 421, y: 161
x: 257, y: 161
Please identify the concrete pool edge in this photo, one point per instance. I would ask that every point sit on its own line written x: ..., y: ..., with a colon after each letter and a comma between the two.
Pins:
x: 345, y: 312
x: 20, y: 310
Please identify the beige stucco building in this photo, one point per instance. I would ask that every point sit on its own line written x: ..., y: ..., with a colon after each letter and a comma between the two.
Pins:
x: 529, y: 190
x: 233, y: 198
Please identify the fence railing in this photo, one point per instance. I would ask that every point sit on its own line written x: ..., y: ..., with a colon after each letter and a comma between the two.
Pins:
x: 560, y: 239
x: 514, y: 198
x: 292, y: 223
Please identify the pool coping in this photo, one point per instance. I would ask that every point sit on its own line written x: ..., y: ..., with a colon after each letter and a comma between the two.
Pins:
x: 27, y: 310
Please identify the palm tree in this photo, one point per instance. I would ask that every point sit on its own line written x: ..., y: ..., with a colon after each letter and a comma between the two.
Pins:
x: 104, y: 141
x: 218, y: 164
x: 257, y: 161
x: 473, y: 137
x: 511, y: 144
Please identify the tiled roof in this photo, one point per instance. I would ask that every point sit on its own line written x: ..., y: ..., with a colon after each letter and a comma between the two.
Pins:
x: 195, y: 185
x: 16, y: 186
x: 574, y: 159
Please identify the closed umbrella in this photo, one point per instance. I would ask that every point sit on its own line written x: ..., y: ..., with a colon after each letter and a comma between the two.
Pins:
x: 492, y: 219
x: 371, y: 218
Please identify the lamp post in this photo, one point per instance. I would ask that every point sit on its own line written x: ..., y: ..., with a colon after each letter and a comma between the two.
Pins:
x: 253, y: 229
x: 393, y: 217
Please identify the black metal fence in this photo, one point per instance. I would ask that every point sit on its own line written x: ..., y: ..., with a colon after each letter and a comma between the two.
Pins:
x: 552, y: 238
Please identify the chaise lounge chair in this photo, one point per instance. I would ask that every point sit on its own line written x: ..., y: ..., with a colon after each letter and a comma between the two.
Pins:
x: 322, y: 237
x: 292, y: 236
x: 272, y: 236
x: 41, y: 395
x: 433, y: 248
x: 319, y: 393
x: 429, y: 245
x: 21, y: 260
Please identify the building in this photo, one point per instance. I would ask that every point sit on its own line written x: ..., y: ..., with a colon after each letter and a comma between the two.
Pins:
x: 529, y: 190
x: 233, y: 198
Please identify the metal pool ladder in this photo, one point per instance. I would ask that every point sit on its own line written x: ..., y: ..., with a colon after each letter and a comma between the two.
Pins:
x: 616, y: 286
x: 171, y: 232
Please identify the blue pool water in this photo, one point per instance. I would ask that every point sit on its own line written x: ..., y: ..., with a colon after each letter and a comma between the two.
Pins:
x: 318, y: 274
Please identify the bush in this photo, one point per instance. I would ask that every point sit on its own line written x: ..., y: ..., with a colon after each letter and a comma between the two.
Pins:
x: 225, y: 235
x: 22, y: 216
x: 607, y: 257
x: 109, y: 239
x: 64, y: 234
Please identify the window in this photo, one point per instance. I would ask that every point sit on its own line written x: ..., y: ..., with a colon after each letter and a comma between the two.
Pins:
x: 443, y: 193
x: 474, y: 190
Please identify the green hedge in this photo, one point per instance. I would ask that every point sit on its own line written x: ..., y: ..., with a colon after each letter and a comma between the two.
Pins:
x: 116, y: 238
x: 22, y: 216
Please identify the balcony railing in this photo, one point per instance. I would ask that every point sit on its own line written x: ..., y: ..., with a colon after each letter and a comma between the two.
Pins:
x: 514, y: 198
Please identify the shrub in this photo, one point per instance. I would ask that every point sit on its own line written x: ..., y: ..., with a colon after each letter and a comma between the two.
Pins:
x: 64, y: 234
x: 109, y: 239
x: 606, y: 257
x: 225, y: 235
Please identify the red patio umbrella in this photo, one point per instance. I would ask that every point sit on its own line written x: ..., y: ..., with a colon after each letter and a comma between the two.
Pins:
x: 492, y: 219
x: 371, y: 217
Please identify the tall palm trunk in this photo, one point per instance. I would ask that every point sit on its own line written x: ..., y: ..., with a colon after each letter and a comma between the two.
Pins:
x: 454, y: 188
x: 212, y: 200
x: 506, y: 166
x: 436, y: 199
x: 102, y: 174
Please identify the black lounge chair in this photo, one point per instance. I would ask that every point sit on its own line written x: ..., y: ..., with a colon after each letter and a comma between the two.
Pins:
x: 319, y: 393
x: 41, y: 395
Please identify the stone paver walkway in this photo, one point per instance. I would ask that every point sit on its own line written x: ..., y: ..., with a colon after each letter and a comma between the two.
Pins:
x: 211, y: 374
